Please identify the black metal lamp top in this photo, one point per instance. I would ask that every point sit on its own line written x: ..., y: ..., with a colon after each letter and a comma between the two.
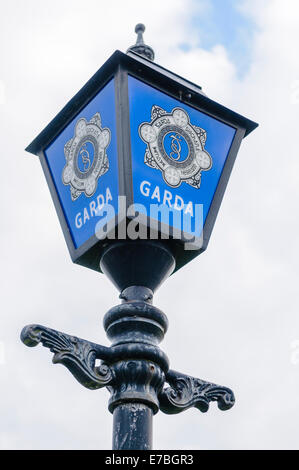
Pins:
x: 141, y: 48
x: 129, y: 79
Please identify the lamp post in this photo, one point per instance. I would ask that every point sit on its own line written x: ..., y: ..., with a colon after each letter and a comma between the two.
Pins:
x: 137, y: 164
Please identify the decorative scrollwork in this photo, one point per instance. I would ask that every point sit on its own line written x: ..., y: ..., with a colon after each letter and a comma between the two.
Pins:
x: 157, y: 112
x: 186, y: 392
x: 78, y: 355
x: 136, y: 381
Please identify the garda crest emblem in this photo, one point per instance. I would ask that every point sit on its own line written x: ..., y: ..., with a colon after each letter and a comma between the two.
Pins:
x: 175, y: 146
x: 86, y: 158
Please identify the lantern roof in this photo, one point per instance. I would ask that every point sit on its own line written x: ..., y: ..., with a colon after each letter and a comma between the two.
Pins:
x: 144, y: 69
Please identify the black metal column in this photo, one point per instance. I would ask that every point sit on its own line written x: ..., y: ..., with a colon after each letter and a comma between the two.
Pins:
x: 135, y: 328
x: 132, y: 427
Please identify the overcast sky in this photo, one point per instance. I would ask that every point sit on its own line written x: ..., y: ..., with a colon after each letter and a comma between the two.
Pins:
x: 233, y: 311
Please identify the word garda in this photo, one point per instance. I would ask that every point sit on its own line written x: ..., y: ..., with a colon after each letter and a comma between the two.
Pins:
x: 166, y: 197
x: 92, y: 210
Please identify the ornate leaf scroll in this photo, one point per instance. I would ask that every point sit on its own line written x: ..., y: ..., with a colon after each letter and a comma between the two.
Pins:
x: 78, y: 355
x: 186, y: 392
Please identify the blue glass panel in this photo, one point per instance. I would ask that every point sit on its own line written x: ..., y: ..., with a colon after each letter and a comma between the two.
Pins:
x: 178, y: 152
x: 83, y: 163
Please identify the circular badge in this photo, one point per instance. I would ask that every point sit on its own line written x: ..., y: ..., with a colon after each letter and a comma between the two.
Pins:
x: 175, y: 146
x: 86, y: 157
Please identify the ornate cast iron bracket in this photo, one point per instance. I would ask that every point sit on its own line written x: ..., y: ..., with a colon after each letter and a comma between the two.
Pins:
x: 186, y: 392
x: 78, y: 355
x: 134, y: 369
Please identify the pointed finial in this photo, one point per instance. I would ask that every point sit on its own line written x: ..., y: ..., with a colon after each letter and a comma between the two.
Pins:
x: 141, y: 48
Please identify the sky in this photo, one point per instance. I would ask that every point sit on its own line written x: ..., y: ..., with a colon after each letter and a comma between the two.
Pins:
x: 233, y: 311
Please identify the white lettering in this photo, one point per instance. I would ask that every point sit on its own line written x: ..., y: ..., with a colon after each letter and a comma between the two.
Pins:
x: 108, y: 195
x: 167, y: 197
x: 189, y: 209
x: 78, y: 220
x: 86, y: 216
x: 100, y: 204
x: 92, y: 208
x: 178, y: 199
x: 156, y: 194
x: 145, y: 191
